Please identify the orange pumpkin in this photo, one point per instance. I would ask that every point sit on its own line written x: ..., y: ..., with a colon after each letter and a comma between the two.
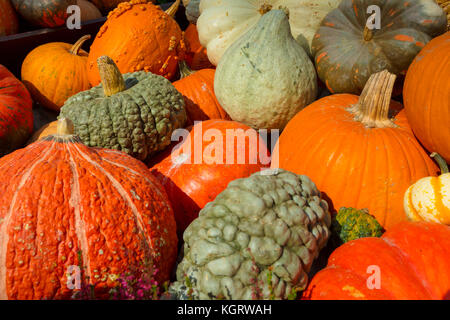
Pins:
x: 196, y: 54
x: 359, y: 151
x: 46, y: 130
x: 55, y: 71
x: 8, y: 19
x: 426, y: 96
x: 197, y: 89
x: 138, y: 36
x: 409, y: 262
x: 67, y: 205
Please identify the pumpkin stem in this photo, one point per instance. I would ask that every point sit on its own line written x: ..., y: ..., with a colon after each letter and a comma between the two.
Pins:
x: 112, y: 79
x: 265, y: 8
x: 64, y: 127
x: 441, y: 162
x: 173, y: 8
x: 372, y: 108
x: 77, y: 46
x: 368, y: 35
x: 185, y: 71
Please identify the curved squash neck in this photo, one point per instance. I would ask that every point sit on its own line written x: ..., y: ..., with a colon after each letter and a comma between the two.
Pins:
x: 77, y: 46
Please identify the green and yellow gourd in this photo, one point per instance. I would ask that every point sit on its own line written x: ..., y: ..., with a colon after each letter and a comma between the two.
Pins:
x: 135, y: 113
x: 269, y: 225
x: 265, y: 77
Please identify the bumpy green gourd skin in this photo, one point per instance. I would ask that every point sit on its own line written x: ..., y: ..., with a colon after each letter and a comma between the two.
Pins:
x: 265, y: 78
x: 279, y: 220
x: 138, y: 121
x: 351, y: 224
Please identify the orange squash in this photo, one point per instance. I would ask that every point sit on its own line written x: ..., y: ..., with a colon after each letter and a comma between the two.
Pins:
x: 45, y: 131
x: 53, y: 72
x: 197, y: 88
x: 138, y: 36
x: 196, y: 54
x: 426, y: 96
x: 359, y: 151
x: 8, y: 19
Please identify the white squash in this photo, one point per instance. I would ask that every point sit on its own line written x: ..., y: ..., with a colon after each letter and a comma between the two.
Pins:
x: 265, y: 77
x: 222, y: 22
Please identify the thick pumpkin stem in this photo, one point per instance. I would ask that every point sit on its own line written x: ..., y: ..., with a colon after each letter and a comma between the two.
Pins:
x: 441, y: 162
x: 265, y: 8
x: 112, y: 79
x: 185, y: 71
x: 173, y: 8
x: 64, y: 127
x: 77, y: 46
x: 372, y: 108
x: 368, y: 34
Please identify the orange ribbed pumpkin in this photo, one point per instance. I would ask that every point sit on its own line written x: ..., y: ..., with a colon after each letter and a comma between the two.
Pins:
x: 426, y: 95
x: 411, y: 262
x: 193, y: 175
x: 197, y: 88
x: 66, y: 204
x: 138, y: 36
x: 16, y: 116
x: 196, y: 54
x: 8, y: 19
x: 53, y: 72
x: 354, y: 152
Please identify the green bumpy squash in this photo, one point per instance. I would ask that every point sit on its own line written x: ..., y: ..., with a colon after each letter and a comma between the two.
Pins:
x: 266, y: 77
x: 135, y: 113
x: 273, y: 220
x: 351, y: 224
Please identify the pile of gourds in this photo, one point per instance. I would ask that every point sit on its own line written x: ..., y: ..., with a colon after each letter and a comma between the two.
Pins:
x: 108, y: 186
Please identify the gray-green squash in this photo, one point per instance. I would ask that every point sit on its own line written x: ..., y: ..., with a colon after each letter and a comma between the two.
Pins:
x: 273, y: 223
x: 193, y: 11
x: 265, y: 77
x: 135, y: 113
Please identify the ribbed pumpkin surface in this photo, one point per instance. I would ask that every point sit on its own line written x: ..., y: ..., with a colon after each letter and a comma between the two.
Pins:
x: 66, y: 204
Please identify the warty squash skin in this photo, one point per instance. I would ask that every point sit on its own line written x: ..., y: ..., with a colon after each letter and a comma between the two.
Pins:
x: 222, y: 22
x: 16, y: 116
x: 347, y: 52
x: 270, y: 220
x: 413, y: 260
x: 265, y: 77
x: 8, y: 19
x: 44, y: 13
x: 135, y: 113
x: 66, y: 204
x: 360, y: 151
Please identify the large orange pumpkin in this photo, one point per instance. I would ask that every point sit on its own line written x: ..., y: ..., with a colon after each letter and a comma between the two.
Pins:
x: 197, y: 88
x: 67, y: 205
x: 194, y: 173
x: 55, y: 71
x: 359, y: 151
x: 409, y: 262
x: 196, y: 54
x: 138, y: 36
x: 8, y: 19
x: 16, y: 116
x: 426, y: 96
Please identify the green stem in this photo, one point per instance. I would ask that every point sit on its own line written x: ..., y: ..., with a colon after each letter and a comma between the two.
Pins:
x: 441, y: 162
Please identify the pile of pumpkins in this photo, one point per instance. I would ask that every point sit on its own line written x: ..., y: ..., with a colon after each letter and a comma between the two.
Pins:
x: 107, y: 186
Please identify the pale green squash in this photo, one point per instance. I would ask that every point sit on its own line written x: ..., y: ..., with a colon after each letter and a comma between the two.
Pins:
x: 266, y: 77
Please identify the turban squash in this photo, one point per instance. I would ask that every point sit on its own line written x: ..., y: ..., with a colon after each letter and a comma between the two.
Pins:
x: 197, y: 169
x: 16, y: 117
x: 347, y: 51
x: 44, y: 13
x: 426, y: 95
x: 135, y: 113
x: 8, y: 19
x: 65, y: 205
x: 360, y: 151
x: 409, y: 262
x: 138, y: 36
x: 55, y: 71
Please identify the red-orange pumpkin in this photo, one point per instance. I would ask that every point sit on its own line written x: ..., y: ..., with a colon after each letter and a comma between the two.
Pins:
x: 409, y: 262
x: 138, y: 36
x: 66, y: 204
x: 197, y: 88
x: 359, y: 151
x: 196, y: 54
x: 191, y: 184
x: 16, y: 117
x: 426, y: 95
x: 8, y: 19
